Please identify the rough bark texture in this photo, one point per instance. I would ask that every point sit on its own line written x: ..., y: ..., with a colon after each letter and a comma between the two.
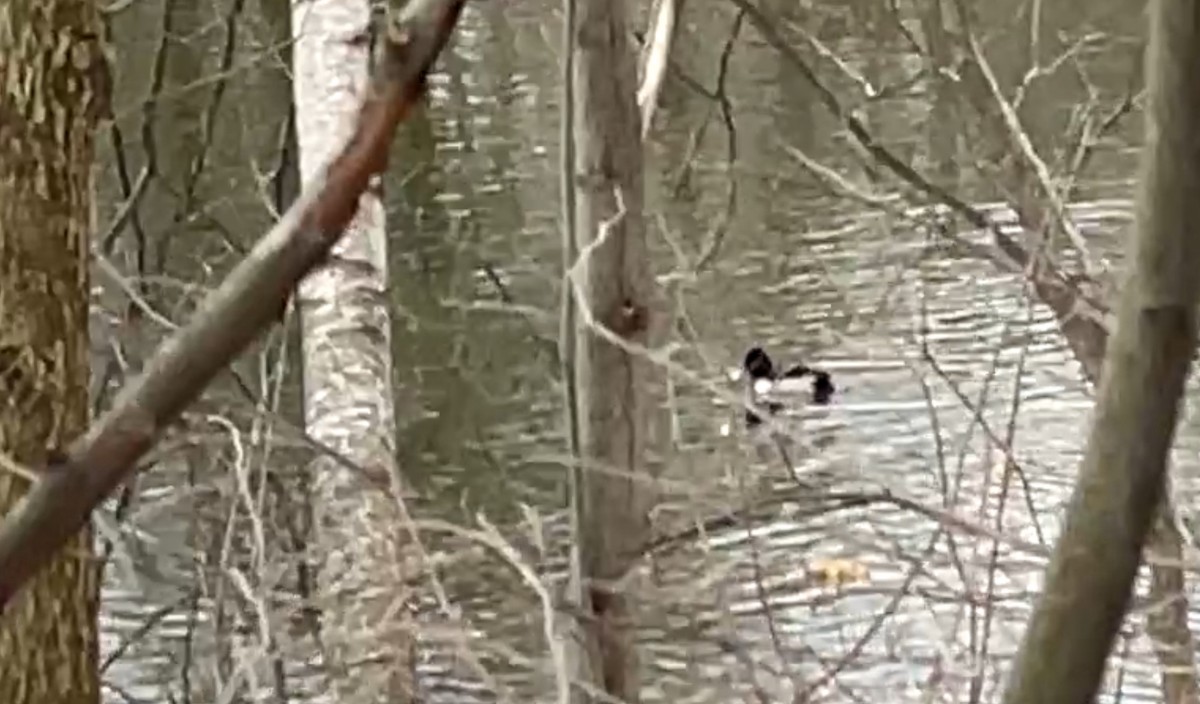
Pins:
x: 347, y: 382
x: 53, y: 89
x: 1121, y: 484
x: 1078, y: 305
x: 618, y: 392
x: 231, y: 317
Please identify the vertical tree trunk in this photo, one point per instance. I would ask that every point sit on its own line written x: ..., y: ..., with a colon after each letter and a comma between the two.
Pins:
x: 1121, y: 484
x: 54, y: 91
x: 619, y: 393
x: 347, y: 361
x: 1166, y: 627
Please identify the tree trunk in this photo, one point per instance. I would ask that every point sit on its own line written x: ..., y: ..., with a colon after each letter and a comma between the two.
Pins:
x: 1082, y: 317
x: 366, y: 625
x: 1167, y: 610
x: 1090, y: 578
x: 619, y: 392
x: 55, y: 91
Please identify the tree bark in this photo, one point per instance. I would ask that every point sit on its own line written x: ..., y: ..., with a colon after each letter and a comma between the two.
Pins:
x: 247, y: 301
x: 1084, y: 320
x: 619, y: 391
x: 348, y: 403
x: 1090, y: 578
x: 54, y: 92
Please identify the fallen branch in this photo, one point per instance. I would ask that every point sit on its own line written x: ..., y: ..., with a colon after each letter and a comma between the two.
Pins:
x: 251, y: 298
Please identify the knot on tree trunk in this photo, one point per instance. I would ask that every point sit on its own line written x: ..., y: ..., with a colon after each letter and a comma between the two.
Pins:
x: 629, y: 319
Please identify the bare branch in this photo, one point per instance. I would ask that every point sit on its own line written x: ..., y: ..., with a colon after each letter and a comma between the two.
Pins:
x: 1020, y: 139
x: 254, y: 295
x: 657, y: 53
x: 1122, y: 483
x: 1083, y: 318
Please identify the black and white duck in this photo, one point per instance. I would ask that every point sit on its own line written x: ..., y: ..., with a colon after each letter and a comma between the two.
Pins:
x: 774, y: 389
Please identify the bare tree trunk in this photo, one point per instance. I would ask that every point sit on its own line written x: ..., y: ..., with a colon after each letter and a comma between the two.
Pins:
x: 619, y: 391
x: 49, y: 109
x: 1090, y: 578
x: 1088, y: 336
x: 366, y: 624
x: 249, y: 299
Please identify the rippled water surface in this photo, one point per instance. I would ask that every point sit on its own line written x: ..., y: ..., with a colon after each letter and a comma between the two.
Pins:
x: 941, y: 362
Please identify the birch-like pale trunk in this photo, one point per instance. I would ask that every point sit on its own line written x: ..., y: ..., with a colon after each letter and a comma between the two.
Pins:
x: 656, y: 56
x: 1122, y: 482
x: 348, y: 403
x: 619, y: 392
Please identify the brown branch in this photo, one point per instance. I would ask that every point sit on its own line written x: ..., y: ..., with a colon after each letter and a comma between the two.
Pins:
x: 133, y: 193
x: 253, y: 296
x: 716, y: 234
x: 1083, y: 318
x: 1122, y: 484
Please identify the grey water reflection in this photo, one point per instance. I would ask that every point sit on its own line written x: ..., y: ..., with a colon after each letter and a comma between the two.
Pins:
x: 472, y: 200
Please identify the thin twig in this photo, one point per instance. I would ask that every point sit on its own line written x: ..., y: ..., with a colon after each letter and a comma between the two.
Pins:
x: 1020, y: 138
x: 716, y: 234
x: 252, y: 297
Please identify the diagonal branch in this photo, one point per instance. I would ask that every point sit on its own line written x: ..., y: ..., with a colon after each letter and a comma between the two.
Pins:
x: 1084, y: 318
x: 1020, y: 139
x: 656, y: 54
x: 252, y: 297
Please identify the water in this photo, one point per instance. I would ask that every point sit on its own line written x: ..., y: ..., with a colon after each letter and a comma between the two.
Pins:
x: 913, y: 334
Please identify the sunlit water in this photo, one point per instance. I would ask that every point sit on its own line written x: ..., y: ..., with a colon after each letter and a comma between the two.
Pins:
x: 922, y: 344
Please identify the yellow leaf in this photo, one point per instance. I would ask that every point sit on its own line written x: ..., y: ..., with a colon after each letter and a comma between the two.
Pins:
x: 836, y: 571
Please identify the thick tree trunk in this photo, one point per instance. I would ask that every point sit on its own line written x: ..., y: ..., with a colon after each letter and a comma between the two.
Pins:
x: 54, y: 92
x: 250, y: 298
x: 1090, y: 578
x: 619, y: 392
x: 1084, y: 320
x: 347, y: 382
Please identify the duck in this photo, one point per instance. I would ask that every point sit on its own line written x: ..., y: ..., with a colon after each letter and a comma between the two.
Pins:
x: 766, y: 385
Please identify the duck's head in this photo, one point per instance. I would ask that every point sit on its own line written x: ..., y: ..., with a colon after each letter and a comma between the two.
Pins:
x: 758, y: 365
x: 822, y: 388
